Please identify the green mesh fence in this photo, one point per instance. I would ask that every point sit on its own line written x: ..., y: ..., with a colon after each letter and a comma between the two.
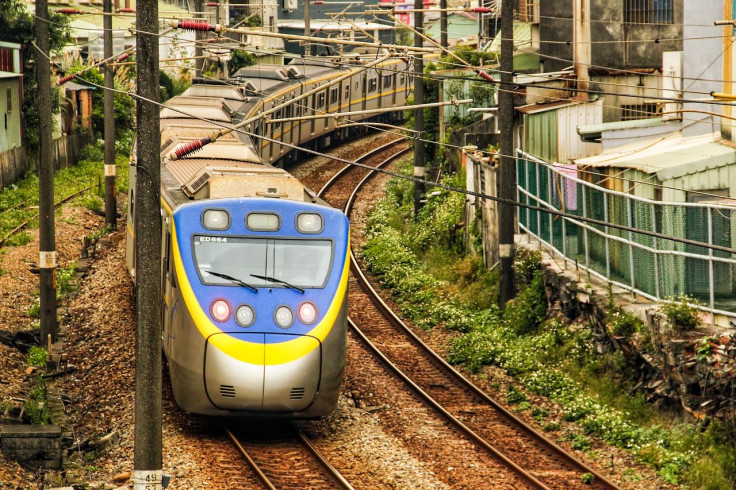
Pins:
x: 658, y: 267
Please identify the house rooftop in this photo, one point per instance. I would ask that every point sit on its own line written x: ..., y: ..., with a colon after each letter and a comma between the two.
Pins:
x: 668, y: 157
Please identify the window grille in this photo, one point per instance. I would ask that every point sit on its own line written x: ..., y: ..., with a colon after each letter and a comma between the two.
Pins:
x: 639, y: 111
x: 648, y: 12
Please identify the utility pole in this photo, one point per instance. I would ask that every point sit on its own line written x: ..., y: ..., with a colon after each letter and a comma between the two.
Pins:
x: 307, y: 29
x: 507, y: 170
x: 46, y: 224
x: 110, y: 198
x: 198, y: 40
x: 581, y: 54
x: 419, y: 156
x: 443, y: 23
x: 147, y: 473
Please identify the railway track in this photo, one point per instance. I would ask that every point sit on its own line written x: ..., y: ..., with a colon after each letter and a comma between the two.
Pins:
x: 281, y: 456
x: 525, y: 451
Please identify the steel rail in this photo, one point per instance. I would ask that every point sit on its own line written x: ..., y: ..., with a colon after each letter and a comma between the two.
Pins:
x: 299, y: 438
x: 600, y: 480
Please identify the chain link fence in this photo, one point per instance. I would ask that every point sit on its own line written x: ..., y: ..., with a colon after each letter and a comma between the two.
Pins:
x: 657, y: 268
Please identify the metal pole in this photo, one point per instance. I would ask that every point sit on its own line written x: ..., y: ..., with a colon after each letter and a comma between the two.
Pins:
x: 443, y: 23
x: 46, y: 224
x: 507, y: 170
x: 419, y: 156
x: 147, y: 467
x: 307, y: 29
x: 198, y: 40
x: 110, y: 198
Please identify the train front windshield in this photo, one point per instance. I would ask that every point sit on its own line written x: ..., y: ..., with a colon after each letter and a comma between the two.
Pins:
x: 301, y: 263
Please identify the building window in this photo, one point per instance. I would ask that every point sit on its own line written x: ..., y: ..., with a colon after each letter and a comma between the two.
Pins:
x: 528, y: 11
x: 639, y: 111
x: 648, y: 12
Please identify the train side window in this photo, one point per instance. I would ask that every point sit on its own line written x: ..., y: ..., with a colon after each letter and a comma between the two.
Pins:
x: 401, y: 79
x: 347, y: 92
x: 387, y: 81
x: 372, y: 84
x: 334, y: 93
x: 320, y: 100
x: 131, y: 214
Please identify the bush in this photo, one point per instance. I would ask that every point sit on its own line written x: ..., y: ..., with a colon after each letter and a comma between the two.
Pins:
x: 681, y: 312
x: 623, y: 323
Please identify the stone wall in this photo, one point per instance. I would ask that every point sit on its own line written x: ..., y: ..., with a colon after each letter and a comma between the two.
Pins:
x: 692, y: 372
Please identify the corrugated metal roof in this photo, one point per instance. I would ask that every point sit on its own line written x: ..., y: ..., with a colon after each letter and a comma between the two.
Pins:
x: 669, y: 157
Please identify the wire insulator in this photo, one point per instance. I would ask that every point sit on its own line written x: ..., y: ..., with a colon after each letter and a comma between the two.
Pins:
x: 484, y: 75
x: 126, y: 11
x: 124, y: 57
x: 191, y: 25
x: 191, y: 147
x: 64, y: 79
x: 212, y: 4
x: 69, y: 11
x: 481, y: 10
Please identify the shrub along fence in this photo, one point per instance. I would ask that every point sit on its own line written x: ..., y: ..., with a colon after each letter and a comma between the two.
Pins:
x: 15, y: 163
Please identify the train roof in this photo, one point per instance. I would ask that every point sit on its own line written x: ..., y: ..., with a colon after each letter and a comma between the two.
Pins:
x: 214, y: 109
x: 228, y: 92
x: 213, y: 178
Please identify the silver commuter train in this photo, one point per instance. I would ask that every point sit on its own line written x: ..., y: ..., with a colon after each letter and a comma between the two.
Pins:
x: 254, y: 292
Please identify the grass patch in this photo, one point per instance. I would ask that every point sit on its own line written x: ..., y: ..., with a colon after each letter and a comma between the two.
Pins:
x: 19, y: 201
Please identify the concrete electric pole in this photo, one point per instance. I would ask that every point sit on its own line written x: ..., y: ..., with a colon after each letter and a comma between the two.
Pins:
x: 148, y: 474
x: 507, y: 169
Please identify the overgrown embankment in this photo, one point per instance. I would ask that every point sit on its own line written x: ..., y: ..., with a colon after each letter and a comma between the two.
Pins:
x: 437, y: 285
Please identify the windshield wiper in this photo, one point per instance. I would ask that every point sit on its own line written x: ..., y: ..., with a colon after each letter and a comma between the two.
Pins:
x: 232, y: 279
x: 273, y: 279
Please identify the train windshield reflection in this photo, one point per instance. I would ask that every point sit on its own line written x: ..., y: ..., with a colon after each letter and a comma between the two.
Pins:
x: 302, y: 263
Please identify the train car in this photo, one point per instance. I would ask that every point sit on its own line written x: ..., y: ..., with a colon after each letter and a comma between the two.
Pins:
x: 254, y: 266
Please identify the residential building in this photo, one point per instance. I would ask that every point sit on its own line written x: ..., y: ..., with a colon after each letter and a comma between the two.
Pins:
x: 11, y: 97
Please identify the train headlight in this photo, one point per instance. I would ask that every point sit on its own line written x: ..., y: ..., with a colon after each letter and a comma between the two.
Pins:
x: 220, y: 310
x: 307, y: 313
x: 309, y: 223
x: 284, y: 317
x: 245, y: 316
x: 216, y: 219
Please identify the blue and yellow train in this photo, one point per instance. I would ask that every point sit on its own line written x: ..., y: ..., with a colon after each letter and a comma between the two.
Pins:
x: 254, y: 266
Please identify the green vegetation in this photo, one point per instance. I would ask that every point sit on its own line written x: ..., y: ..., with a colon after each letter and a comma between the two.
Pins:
x: 36, y: 407
x: 19, y: 201
x: 65, y: 279
x: 172, y: 86
x: 240, y: 59
x: 438, y: 285
x: 123, y: 104
x: 680, y: 314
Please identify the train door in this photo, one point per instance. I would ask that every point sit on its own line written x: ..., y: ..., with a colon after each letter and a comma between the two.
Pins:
x: 364, y: 92
x: 167, y: 274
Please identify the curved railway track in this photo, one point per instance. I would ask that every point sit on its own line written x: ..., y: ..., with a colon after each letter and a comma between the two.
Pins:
x: 528, y: 453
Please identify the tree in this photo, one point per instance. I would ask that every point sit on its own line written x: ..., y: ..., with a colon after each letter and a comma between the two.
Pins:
x: 239, y: 59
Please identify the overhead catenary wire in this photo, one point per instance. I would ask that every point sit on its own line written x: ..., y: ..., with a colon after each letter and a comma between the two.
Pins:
x: 437, y: 184
x: 679, y: 100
